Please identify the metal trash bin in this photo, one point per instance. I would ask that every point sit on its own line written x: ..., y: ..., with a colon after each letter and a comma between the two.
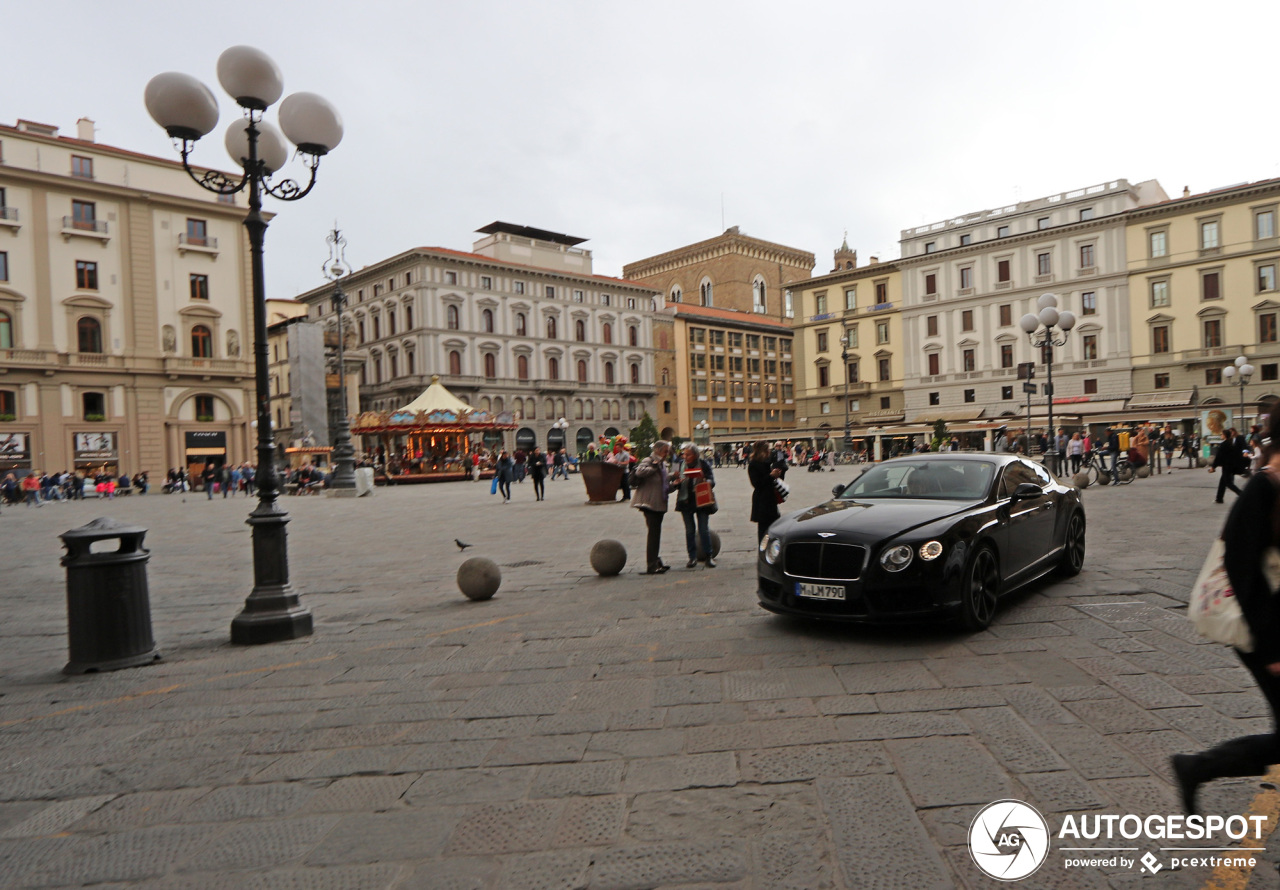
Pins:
x: 108, y: 606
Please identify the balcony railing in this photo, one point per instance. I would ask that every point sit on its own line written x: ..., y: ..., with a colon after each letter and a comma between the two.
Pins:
x: 91, y: 360
x: 206, y: 367
x: 1212, y: 353
x: 198, y: 243
x: 89, y: 228
x: 9, y: 216
x: 26, y: 357
x: 545, y: 384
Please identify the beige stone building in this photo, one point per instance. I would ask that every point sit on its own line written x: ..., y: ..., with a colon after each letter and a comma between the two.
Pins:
x: 730, y: 289
x: 1203, y: 273
x: 125, y: 310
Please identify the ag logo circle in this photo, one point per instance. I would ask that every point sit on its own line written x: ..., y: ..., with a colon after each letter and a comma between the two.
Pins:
x: 1008, y: 840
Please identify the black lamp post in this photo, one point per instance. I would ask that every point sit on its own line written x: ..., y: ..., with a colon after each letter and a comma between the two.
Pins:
x: 1238, y: 374
x: 1048, y: 328
x: 844, y: 359
x: 343, y: 483
x: 187, y: 110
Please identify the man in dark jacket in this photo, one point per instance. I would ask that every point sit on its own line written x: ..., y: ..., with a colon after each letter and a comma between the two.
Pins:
x: 1231, y: 460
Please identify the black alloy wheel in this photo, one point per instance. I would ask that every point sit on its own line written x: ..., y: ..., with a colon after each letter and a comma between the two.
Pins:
x: 981, y: 591
x: 1073, y: 547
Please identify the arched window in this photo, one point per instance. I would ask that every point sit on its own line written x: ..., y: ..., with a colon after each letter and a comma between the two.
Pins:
x: 498, y: 405
x: 705, y: 291
x: 560, y: 408
x: 591, y: 409
x: 531, y: 409
x: 551, y: 327
x: 633, y: 335
x: 451, y: 317
x: 89, y: 331
x: 582, y: 371
x: 577, y: 409
x: 608, y: 372
x: 391, y: 322
x: 6, y: 331
x: 408, y: 361
x: 408, y: 316
x: 635, y: 373
x: 377, y: 327
x: 490, y: 365
x: 758, y: 296
x: 551, y: 408
x: 522, y: 367
x: 455, y: 363
x: 676, y: 294
x: 605, y: 413
x: 666, y: 377
x: 631, y: 410
x: 606, y: 331
x: 486, y: 319
x: 394, y: 363
x: 553, y: 368
x: 201, y: 342
x: 522, y: 328
x: 377, y: 369
x: 580, y: 330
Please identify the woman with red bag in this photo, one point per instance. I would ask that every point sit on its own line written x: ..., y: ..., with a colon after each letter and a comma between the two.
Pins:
x: 695, y: 502
x: 762, y: 471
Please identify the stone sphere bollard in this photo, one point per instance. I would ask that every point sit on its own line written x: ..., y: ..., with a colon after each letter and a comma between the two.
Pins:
x: 715, y: 547
x: 608, y: 557
x: 1081, y: 480
x: 479, y: 578
x: 1144, y: 471
x: 1104, y: 478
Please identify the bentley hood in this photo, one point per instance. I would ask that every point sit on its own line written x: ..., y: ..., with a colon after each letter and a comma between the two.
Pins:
x: 869, y: 520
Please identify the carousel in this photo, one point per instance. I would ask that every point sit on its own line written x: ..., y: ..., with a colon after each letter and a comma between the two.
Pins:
x: 431, y: 439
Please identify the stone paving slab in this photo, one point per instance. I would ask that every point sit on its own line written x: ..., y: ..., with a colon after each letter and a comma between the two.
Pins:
x: 583, y: 732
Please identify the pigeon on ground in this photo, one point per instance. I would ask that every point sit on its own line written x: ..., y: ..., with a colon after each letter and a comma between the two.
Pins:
x: 461, y: 545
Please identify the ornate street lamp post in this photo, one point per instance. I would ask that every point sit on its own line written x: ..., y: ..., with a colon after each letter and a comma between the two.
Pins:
x: 1238, y: 374
x: 563, y: 425
x: 844, y: 359
x: 701, y: 428
x: 343, y: 483
x: 1048, y: 328
x: 187, y: 111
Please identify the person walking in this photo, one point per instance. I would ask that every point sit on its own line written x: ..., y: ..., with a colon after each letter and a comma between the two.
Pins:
x: 210, y: 476
x: 1189, y: 447
x: 1168, y: 444
x: 559, y: 465
x: 762, y: 472
x: 1250, y: 530
x: 1113, y: 453
x: 1230, y: 458
x: 505, y: 470
x: 650, y: 497
x: 537, y: 469
x: 697, y: 531
x: 1075, y: 451
x: 31, y: 490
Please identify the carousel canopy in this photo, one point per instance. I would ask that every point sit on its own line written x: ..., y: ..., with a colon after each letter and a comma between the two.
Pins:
x: 436, y: 410
x: 435, y: 398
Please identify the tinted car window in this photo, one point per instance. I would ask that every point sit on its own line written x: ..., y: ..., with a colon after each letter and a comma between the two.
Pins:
x: 1016, y: 473
x: 946, y: 480
x: 1042, y: 475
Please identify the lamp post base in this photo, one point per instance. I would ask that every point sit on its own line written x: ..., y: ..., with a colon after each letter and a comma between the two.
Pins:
x: 273, y: 611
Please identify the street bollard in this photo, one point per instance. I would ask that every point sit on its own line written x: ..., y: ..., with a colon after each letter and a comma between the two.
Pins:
x: 108, y: 607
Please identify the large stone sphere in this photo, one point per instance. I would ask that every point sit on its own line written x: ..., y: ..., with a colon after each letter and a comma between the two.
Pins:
x: 608, y: 557
x: 715, y: 547
x: 1081, y: 480
x: 1104, y: 478
x: 1144, y: 471
x: 479, y: 578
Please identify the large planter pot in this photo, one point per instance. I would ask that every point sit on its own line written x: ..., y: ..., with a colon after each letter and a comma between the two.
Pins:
x: 602, y: 480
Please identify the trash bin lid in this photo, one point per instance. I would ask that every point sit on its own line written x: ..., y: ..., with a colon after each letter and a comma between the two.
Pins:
x: 101, y: 528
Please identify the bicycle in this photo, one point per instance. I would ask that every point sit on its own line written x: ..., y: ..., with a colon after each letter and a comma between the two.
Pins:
x: 1089, y: 466
x: 1125, y: 472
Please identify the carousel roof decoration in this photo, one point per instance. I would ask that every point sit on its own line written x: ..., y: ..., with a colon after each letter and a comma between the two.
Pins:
x: 436, y: 410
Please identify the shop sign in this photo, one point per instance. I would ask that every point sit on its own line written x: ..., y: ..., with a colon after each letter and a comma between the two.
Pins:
x: 95, y: 446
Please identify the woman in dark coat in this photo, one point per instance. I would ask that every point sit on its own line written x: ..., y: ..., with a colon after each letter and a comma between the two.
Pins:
x: 505, y: 471
x: 1251, y: 529
x: 761, y: 470
x: 538, y: 472
x: 697, y: 531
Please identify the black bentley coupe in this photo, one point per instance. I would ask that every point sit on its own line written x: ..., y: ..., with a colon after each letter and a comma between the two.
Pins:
x: 929, y: 534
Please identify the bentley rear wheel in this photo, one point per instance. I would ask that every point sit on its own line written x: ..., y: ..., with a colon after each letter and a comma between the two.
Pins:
x: 1073, y: 547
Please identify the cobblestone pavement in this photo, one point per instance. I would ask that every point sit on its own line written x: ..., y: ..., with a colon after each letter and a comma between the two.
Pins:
x: 583, y: 732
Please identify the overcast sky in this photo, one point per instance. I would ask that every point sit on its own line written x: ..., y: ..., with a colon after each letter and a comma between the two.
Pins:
x: 632, y: 124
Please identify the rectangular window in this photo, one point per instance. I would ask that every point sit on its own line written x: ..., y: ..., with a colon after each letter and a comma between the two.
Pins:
x: 1088, y: 303
x: 784, y: 345
x: 930, y: 246
x: 882, y: 293
x: 1212, y: 376
x: 1042, y: 223
x: 824, y: 375
x: 1043, y: 264
x: 1160, y: 338
x: 198, y: 232
x: 969, y: 364
x: 735, y: 364
x: 1086, y: 256
x: 966, y: 320
x: 4, y: 265
x: 850, y: 298
x: 1091, y: 385
x: 1267, y: 277
x: 885, y: 402
x: 717, y: 363
x: 1159, y: 294
x: 1209, y: 235
x: 199, y: 285
x: 735, y: 340
x: 1269, y: 371
x: 1006, y: 355
x: 518, y: 286
x: 81, y: 167
x: 934, y: 364
x: 820, y: 303
x: 1006, y: 314
x: 1086, y: 213
x: 1267, y: 328
x: 882, y: 332
x: 753, y: 367
x: 578, y: 296
x: 822, y: 341
x: 1090, y: 347
x: 1210, y: 288
x: 1264, y: 224
x: 825, y: 408
x: 851, y: 372
x: 486, y: 282
x: 735, y: 389
x: 1159, y: 244
x: 698, y: 361
x: 753, y: 341
x: 852, y: 334
x: 970, y: 395
x: 83, y: 215
x: 770, y: 344
x: 717, y: 389
x: 966, y: 240
x: 770, y: 367
x: 717, y: 337
x: 1003, y: 270
x: 935, y: 398
x: 86, y: 275
x: 1212, y: 333
x: 966, y: 277
x: 697, y: 335
x: 1006, y: 393
x: 1002, y: 231
x: 450, y: 277
x: 931, y: 283
x: 931, y: 326
x: 883, y: 368
x: 785, y: 368
x: 1162, y: 381
x: 551, y: 291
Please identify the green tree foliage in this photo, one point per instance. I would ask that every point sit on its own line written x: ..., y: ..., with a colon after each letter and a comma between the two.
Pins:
x: 643, y: 436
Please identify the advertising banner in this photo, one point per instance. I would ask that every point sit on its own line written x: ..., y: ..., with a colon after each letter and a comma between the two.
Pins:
x: 15, y: 446
x: 95, y: 446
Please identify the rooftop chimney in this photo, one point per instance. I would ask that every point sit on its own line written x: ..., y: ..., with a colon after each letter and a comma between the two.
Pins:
x: 84, y: 129
x: 874, y: 260
x: 1186, y: 191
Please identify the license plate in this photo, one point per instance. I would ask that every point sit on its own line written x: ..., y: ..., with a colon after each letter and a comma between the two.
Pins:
x: 820, y: 591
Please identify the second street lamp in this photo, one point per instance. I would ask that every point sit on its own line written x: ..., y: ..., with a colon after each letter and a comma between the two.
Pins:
x: 844, y: 359
x: 1048, y: 328
x: 1238, y: 374
x: 343, y: 483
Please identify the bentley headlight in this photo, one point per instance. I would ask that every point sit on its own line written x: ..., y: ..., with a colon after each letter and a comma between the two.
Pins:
x: 930, y: 551
x: 764, y: 542
x: 773, y: 551
x: 895, y: 559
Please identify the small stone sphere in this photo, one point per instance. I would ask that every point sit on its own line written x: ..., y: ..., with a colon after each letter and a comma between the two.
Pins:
x: 1144, y: 471
x: 479, y: 578
x: 1081, y: 480
x: 1104, y: 478
x: 608, y: 557
x: 715, y: 547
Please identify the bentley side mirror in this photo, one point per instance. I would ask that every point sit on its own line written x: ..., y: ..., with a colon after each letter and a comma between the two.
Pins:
x: 1026, y: 490
x: 835, y: 492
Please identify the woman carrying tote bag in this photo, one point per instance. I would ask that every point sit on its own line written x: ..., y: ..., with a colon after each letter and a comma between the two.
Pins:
x: 696, y: 502
x: 762, y: 472
x: 1251, y: 530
